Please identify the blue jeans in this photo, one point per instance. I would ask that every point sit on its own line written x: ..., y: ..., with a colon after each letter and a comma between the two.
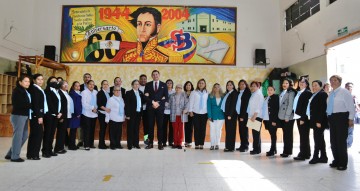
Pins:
x: 350, y: 138
x: 20, y: 135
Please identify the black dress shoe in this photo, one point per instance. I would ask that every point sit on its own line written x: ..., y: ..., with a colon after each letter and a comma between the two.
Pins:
x: 333, y: 165
x: 46, y: 155
x: 179, y: 147
x: 338, y: 168
x: 283, y: 155
x: 87, y: 148
x: 171, y: 144
x: 33, y: 158
x: 173, y: 147
x: 80, y: 144
x: 7, y: 157
x: 17, y: 160
x: 61, y: 152
x: 238, y: 149
x: 243, y: 150
x: 138, y: 147
x: 254, y: 152
x: 197, y: 147
x: 314, y: 160
x: 270, y: 153
x: 228, y: 150
x: 129, y: 148
x: 160, y: 147
x: 119, y: 147
x: 92, y: 147
x: 53, y: 154
x: 102, y: 147
x: 112, y: 148
x: 299, y: 158
x: 73, y: 148
x: 149, y: 146
x: 164, y: 145
x: 323, y: 160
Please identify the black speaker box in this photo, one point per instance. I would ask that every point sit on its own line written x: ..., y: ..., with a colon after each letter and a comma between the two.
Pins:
x: 49, y: 52
x: 260, y: 56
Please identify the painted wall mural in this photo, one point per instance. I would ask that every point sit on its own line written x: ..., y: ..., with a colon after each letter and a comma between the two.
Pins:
x: 148, y: 34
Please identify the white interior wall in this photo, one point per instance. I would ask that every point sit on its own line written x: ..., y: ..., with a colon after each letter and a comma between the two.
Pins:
x: 257, y: 24
x: 318, y: 29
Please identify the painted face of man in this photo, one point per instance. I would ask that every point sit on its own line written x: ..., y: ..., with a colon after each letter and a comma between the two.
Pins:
x: 146, y: 27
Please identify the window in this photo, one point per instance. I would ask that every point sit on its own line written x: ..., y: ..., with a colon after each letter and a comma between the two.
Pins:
x: 300, y: 11
x: 332, y: 1
x: 213, y: 20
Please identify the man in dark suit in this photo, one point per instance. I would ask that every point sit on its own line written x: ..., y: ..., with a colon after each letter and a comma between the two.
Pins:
x: 86, y: 78
x: 118, y: 82
x: 156, y: 94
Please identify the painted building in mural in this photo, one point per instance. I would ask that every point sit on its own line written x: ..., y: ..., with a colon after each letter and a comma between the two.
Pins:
x: 206, y: 23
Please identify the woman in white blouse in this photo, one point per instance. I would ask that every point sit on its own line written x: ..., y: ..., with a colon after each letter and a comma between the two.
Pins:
x: 254, y: 112
x: 89, y: 114
x: 115, y: 118
x: 198, y: 110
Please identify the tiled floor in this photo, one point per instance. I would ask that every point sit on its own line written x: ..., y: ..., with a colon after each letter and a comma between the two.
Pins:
x: 174, y: 169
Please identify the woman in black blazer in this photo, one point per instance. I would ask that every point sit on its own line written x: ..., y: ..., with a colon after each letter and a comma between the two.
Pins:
x: 21, y: 100
x: 52, y: 117
x: 102, y: 97
x: 300, y: 104
x: 39, y: 108
x: 241, y: 107
x: 133, y: 104
x: 228, y: 106
x: 63, y: 124
x: 318, y: 121
x: 270, y: 112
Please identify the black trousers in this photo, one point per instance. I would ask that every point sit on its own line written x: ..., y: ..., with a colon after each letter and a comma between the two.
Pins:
x: 133, y: 130
x: 230, y: 130
x: 115, y: 130
x: 155, y: 115
x: 200, y: 121
x: 88, y: 130
x: 304, y: 134
x: 168, y: 130
x: 256, y: 140
x: 339, y: 124
x: 287, y: 128
x: 244, y: 132
x: 319, y: 141
x: 189, y: 126
x: 72, y: 138
x: 60, y: 135
x: 50, y: 124
x: 145, y: 121
x: 272, y: 130
x: 35, y: 138
x: 102, y: 132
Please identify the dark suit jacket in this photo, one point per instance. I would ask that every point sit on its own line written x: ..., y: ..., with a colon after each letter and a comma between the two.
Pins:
x: 302, y: 104
x: 64, y: 108
x: 74, y: 121
x: 273, y: 108
x: 20, y: 101
x: 131, y: 102
x: 123, y: 92
x: 37, y: 102
x: 230, y: 105
x: 52, y: 101
x: 101, y: 99
x: 318, y: 110
x: 156, y: 96
x: 244, y: 102
x: 82, y: 87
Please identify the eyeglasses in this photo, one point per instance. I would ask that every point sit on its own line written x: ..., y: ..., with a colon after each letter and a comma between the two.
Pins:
x: 116, y: 90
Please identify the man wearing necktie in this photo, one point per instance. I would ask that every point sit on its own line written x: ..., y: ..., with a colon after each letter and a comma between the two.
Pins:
x: 341, y: 112
x: 156, y: 94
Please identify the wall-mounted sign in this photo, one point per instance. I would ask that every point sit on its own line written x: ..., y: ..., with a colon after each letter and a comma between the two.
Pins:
x: 148, y: 34
x: 343, y: 31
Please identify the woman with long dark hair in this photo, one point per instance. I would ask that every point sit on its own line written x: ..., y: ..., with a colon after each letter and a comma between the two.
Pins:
x: 74, y: 124
x: 228, y: 106
x: 241, y: 107
x: 198, y: 110
x: 39, y: 107
x: 286, y: 115
x: 21, y: 100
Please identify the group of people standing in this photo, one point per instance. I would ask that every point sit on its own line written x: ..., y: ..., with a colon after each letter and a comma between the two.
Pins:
x: 178, y: 113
